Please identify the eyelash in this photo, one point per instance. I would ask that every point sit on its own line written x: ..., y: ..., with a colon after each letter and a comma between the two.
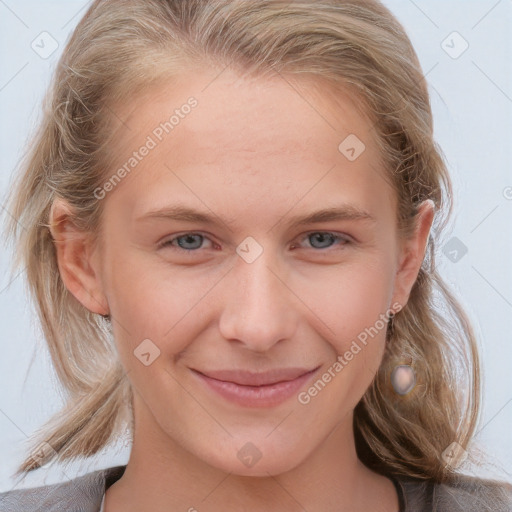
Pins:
x: 168, y: 243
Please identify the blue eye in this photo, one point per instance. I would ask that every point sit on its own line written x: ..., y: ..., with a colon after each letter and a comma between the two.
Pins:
x: 325, y: 237
x: 190, y: 242
x: 187, y: 242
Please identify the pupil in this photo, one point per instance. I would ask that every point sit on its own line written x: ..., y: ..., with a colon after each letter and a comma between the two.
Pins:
x: 322, y: 237
x: 189, y: 239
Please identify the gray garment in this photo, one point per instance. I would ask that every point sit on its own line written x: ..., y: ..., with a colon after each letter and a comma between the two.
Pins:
x: 85, y: 494
x: 102, y: 505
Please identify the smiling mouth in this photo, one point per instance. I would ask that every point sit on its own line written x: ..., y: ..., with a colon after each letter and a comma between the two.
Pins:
x: 247, y: 378
x: 249, y: 389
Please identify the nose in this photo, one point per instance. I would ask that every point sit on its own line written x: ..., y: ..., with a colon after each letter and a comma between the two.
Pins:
x: 259, y: 308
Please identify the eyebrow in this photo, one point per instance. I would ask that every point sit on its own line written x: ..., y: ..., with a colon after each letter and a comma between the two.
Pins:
x: 183, y: 213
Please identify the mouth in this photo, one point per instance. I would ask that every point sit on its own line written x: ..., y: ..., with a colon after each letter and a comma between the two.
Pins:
x: 249, y: 389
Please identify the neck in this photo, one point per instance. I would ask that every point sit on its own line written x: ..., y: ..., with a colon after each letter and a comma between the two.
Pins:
x: 162, y: 476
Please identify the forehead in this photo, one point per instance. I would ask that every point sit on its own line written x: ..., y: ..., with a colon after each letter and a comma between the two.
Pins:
x: 249, y: 133
x: 227, y: 101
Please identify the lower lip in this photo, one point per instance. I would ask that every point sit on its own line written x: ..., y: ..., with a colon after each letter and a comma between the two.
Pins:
x: 256, y: 396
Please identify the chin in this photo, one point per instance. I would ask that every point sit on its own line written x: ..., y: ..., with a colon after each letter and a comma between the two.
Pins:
x: 260, y: 459
x: 274, y: 466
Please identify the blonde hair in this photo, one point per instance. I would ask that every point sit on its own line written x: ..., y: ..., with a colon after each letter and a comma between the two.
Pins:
x: 117, y: 50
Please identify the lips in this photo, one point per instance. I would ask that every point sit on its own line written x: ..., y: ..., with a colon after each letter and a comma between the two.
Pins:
x: 247, y: 378
x: 255, y: 389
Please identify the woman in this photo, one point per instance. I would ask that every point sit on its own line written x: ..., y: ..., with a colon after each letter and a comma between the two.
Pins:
x: 294, y: 356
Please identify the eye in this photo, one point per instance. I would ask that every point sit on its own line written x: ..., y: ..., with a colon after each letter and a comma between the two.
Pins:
x: 186, y: 242
x: 324, y: 239
x: 191, y: 242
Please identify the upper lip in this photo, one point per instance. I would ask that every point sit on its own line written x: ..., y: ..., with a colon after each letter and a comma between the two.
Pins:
x: 247, y: 378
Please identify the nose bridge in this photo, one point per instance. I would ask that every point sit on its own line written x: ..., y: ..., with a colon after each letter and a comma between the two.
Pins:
x: 257, y: 309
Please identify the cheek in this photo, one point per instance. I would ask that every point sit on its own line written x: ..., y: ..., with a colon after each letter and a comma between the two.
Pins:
x: 356, y: 309
x: 148, y: 301
x: 352, y: 300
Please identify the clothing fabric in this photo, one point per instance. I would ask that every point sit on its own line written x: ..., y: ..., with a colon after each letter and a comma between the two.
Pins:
x: 86, y: 494
x: 102, y: 506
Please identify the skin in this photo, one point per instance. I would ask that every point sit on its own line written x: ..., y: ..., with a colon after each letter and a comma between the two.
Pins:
x: 254, y: 153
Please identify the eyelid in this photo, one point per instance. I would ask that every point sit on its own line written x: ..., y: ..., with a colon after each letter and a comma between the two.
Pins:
x: 346, y: 239
x: 167, y: 241
x: 337, y: 236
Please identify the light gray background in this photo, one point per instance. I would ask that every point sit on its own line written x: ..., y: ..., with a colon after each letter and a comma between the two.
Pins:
x: 472, y: 102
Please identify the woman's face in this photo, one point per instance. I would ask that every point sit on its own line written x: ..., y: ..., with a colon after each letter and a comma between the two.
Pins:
x: 207, y: 267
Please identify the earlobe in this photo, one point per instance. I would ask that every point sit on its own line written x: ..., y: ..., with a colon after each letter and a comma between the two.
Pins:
x: 413, y: 253
x: 74, y: 250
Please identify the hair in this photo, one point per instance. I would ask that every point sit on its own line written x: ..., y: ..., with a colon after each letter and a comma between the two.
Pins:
x: 119, y: 49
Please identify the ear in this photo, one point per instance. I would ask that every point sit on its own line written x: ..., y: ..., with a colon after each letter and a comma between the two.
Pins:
x: 412, y: 253
x: 77, y: 258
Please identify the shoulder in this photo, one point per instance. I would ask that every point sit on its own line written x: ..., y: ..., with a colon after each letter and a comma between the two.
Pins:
x: 82, y: 494
x: 463, y: 494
